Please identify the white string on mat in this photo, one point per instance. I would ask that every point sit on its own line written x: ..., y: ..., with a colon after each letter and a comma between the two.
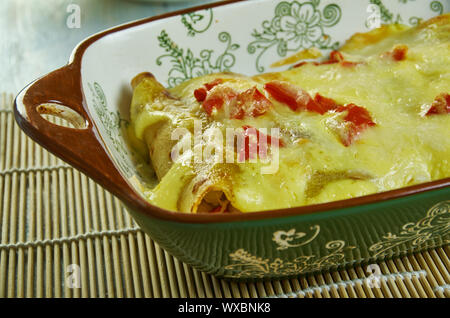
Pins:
x: 362, y: 281
x: 70, y: 239
x: 34, y: 169
x: 442, y: 288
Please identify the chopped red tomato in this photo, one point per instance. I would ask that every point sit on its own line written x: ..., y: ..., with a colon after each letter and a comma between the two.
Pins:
x: 258, y: 146
x: 356, y: 120
x: 440, y: 105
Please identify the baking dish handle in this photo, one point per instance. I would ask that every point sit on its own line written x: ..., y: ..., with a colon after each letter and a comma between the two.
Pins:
x: 80, y: 147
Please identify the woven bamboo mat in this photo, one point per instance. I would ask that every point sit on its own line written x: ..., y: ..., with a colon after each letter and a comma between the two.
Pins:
x: 52, y: 216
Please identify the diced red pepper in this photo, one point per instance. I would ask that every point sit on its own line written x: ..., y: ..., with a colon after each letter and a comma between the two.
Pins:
x: 216, y: 82
x: 283, y: 92
x: 312, y: 106
x: 217, y: 98
x: 326, y: 103
x: 350, y: 64
x: 300, y: 64
x: 286, y: 93
x: 216, y: 209
x: 399, y: 52
x: 304, y: 63
x: 357, y: 120
x: 347, y: 134
x: 219, y: 209
x: 293, y: 96
x: 253, y: 148
x: 237, y: 112
x: 440, y: 105
x: 269, y: 138
x: 335, y: 57
x: 251, y: 103
x: 357, y: 115
x: 211, y: 103
x: 200, y: 94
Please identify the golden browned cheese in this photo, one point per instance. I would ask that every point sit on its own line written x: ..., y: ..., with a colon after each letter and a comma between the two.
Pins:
x: 403, y: 148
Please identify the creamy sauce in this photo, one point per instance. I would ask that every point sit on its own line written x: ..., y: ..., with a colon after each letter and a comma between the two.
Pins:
x: 405, y: 147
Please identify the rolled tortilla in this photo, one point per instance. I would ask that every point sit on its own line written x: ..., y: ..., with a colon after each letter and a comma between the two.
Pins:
x: 190, y: 188
x: 152, y: 120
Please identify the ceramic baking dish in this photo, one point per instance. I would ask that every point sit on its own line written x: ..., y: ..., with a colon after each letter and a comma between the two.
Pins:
x: 93, y: 92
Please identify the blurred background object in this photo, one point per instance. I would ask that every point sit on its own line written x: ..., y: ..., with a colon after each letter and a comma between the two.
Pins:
x: 38, y: 36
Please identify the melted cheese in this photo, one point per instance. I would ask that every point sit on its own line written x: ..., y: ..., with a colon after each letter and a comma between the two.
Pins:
x: 403, y: 148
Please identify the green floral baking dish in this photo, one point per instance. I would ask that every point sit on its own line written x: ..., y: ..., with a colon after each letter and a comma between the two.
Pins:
x: 93, y: 93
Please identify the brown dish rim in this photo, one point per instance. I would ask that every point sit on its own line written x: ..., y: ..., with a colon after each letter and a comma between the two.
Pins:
x: 88, y: 154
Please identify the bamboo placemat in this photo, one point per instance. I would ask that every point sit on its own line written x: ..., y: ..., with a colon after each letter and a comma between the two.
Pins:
x: 52, y: 216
